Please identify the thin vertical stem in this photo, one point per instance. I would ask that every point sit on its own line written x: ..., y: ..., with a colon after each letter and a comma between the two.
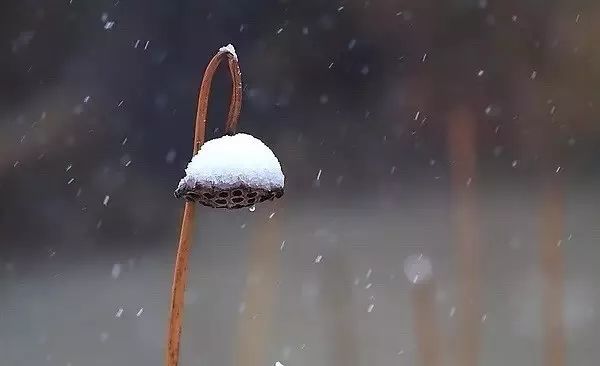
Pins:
x: 462, y: 146
x: 185, y: 236
x: 254, y: 333
x: 179, y: 281
x: 426, y: 329
x: 337, y: 296
x: 552, y: 217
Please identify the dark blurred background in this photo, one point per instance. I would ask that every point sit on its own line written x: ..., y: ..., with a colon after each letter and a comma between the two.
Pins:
x: 464, y: 131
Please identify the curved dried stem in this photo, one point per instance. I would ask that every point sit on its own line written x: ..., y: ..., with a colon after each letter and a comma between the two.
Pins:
x: 236, y: 96
x: 183, y: 250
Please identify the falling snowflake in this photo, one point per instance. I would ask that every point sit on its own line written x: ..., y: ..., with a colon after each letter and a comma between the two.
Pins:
x: 116, y: 271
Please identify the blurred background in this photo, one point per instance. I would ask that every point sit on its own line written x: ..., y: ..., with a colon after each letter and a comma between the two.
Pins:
x: 441, y: 162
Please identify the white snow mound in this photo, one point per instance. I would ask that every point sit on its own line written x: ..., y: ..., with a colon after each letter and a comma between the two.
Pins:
x: 229, y: 161
x: 229, y: 48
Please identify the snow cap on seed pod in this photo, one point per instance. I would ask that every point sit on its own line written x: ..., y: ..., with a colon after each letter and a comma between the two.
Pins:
x: 232, y: 171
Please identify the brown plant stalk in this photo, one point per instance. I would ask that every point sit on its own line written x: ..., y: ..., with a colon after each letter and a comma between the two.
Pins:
x: 463, y: 152
x: 183, y: 250
x: 426, y: 327
x: 552, y: 262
